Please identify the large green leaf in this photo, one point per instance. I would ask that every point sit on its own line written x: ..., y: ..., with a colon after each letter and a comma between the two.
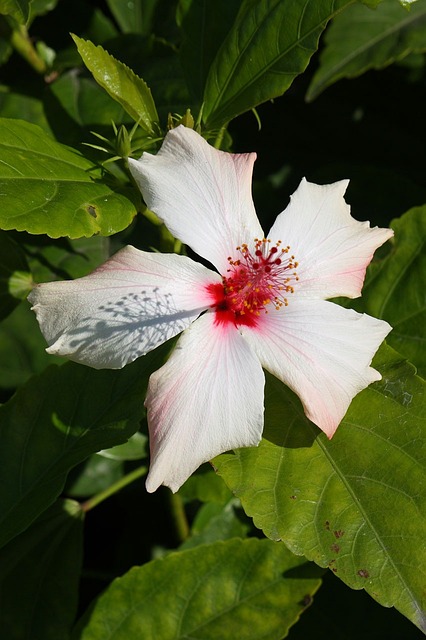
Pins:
x: 355, y: 504
x: 360, y: 39
x: 121, y: 83
x: 55, y: 422
x: 46, y: 187
x: 39, y: 576
x: 270, y: 43
x: 225, y: 590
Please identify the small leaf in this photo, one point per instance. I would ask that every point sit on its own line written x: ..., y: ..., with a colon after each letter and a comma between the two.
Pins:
x: 55, y: 422
x: 270, y: 43
x: 93, y: 476
x: 224, y: 590
x: 134, y: 449
x: 121, y: 83
x: 46, y: 187
x: 39, y: 576
x: 134, y: 17
x: 18, y: 9
x: 12, y: 263
x: 204, y: 485
x: 356, y: 503
x: 360, y: 39
x: 216, y: 522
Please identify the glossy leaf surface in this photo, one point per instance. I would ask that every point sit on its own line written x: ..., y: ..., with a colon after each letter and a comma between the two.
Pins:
x: 356, y: 503
x: 46, y: 187
x: 270, y: 43
x: 120, y: 82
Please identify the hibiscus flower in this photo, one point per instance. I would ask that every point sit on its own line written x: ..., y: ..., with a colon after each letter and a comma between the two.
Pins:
x: 264, y: 306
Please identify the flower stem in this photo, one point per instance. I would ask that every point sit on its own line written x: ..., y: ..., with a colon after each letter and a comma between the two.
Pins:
x: 19, y: 39
x: 114, y: 488
x: 180, y: 521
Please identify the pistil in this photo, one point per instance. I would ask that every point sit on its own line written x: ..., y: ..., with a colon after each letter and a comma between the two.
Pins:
x: 254, y: 281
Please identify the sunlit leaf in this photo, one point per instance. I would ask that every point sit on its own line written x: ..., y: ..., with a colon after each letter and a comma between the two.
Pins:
x: 39, y: 576
x: 55, y: 422
x: 360, y: 39
x: 355, y: 504
x: 121, y: 83
x: 270, y: 43
x: 225, y: 590
x: 46, y: 187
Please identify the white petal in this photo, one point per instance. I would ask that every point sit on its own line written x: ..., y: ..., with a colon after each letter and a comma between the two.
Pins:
x: 201, y: 194
x: 322, y: 352
x: 125, y: 308
x: 207, y: 399
x: 332, y: 248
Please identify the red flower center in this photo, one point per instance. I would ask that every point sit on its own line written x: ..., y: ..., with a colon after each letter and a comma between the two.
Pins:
x: 254, y: 281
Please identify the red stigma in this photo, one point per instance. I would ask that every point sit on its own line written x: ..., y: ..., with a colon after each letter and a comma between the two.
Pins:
x: 254, y: 281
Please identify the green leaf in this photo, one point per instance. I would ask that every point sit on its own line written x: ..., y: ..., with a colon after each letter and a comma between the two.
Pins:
x: 95, y: 475
x: 15, y: 105
x: 134, y: 449
x: 12, y: 263
x: 133, y: 17
x: 395, y: 288
x: 22, y: 348
x: 121, y: 83
x: 64, y: 259
x: 46, y: 187
x: 204, y: 24
x: 356, y: 503
x: 77, y: 105
x: 216, y: 522
x: 224, y: 590
x: 270, y: 43
x: 39, y: 576
x: 204, y: 485
x: 18, y: 9
x: 360, y: 39
x: 55, y: 422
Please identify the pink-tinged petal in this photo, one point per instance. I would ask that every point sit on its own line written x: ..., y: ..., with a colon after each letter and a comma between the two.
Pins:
x: 201, y: 194
x: 125, y: 308
x: 332, y: 249
x: 207, y: 399
x: 322, y: 352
